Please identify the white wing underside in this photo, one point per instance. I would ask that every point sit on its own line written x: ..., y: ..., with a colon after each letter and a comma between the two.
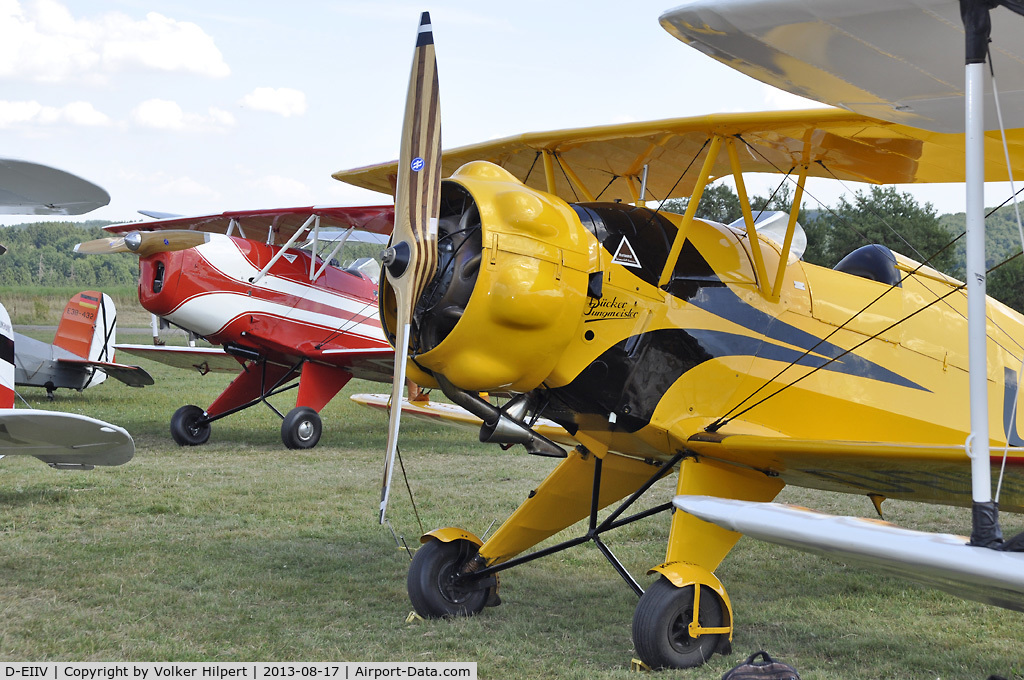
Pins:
x: 28, y: 188
x: 897, y: 60
x: 64, y: 440
x: 942, y: 561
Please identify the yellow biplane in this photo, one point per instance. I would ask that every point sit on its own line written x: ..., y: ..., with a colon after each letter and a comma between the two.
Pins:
x: 666, y: 344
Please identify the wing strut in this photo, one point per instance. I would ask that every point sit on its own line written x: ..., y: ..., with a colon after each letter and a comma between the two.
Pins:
x: 977, y: 21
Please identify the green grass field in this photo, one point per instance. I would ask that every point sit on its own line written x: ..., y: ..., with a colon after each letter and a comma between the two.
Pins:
x: 241, y: 550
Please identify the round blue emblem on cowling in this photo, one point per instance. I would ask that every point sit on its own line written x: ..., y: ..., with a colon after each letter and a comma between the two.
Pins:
x: 417, y: 164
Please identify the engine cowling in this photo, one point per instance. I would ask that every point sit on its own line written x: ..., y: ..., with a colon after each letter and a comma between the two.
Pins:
x: 511, y: 285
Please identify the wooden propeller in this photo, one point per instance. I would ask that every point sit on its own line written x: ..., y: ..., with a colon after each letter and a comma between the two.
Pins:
x: 145, y: 243
x: 411, y: 260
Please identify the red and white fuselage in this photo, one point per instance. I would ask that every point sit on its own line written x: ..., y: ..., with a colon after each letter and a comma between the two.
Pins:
x: 215, y: 291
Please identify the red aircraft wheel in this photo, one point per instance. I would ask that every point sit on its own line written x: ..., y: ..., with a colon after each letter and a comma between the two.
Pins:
x: 301, y: 428
x: 661, y: 626
x: 431, y: 583
x: 187, y: 428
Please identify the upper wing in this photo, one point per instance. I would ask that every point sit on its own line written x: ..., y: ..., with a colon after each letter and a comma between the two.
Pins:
x: 606, y: 163
x: 918, y: 472
x: 202, y: 359
x: 369, y: 364
x: 940, y: 561
x: 274, y: 226
x: 133, y: 376
x: 33, y: 189
x: 63, y: 440
x: 899, y: 60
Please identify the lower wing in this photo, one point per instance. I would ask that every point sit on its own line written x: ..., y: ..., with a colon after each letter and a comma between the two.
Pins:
x: 63, y: 440
x: 940, y: 561
x: 928, y: 473
x: 203, y: 359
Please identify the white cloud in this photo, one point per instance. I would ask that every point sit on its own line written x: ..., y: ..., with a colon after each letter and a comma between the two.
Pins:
x: 33, y: 113
x: 41, y: 41
x: 286, y: 189
x: 163, y: 114
x: 83, y: 113
x: 284, y: 101
x: 188, y: 188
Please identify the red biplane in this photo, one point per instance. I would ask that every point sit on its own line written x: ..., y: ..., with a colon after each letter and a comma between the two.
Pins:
x: 290, y: 295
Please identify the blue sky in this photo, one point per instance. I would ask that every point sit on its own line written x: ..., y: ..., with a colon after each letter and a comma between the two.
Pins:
x: 197, y: 107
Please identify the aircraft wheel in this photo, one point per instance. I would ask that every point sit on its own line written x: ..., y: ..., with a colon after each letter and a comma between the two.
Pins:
x: 301, y: 428
x: 661, y: 626
x: 432, y: 589
x: 187, y: 428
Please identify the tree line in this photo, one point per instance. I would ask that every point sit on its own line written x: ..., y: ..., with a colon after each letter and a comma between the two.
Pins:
x: 42, y: 254
x: 894, y: 219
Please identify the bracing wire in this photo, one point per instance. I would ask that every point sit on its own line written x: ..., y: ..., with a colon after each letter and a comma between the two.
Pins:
x: 1020, y: 232
x: 1014, y: 193
x: 532, y: 166
x: 728, y: 415
x: 657, y: 211
x: 722, y: 421
x: 408, y: 487
x: 610, y: 182
x: 566, y: 176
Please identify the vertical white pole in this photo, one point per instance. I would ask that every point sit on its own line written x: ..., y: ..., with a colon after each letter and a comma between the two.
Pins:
x: 978, y: 443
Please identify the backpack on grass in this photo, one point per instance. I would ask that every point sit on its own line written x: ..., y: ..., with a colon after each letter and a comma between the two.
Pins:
x: 769, y: 669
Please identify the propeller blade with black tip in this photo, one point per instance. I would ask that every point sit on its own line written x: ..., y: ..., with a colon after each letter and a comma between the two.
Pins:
x: 411, y: 260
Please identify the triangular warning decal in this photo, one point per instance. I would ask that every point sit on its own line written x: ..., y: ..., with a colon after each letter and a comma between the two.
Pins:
x: 625, y: 255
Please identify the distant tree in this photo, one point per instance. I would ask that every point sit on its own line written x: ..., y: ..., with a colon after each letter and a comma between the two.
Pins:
x: 885, y: 216
x: 43, y: 254
x: 1006, y: 283
x: 720, y: 203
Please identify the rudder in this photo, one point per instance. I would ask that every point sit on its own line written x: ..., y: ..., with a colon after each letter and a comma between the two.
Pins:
x: 88, y: 328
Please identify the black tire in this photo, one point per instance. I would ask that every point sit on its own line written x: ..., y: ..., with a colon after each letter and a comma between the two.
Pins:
x: 660, y: 626
x: 430, y: 586
x: 301, y: 428
x: 188, y: 427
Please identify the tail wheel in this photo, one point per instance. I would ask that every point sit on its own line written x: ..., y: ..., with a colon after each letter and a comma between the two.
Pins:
x: 301, y: 428
x: 189, y: 426
x: 661, y: 626
x: 432, y: 586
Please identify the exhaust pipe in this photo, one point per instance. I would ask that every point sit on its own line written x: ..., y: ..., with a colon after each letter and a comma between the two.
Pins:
x: 503, y: 426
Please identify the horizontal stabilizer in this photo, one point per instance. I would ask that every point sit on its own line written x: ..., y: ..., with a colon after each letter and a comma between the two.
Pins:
x: 63, y: 440
x: 133, y: 376
x: 942, y: 561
